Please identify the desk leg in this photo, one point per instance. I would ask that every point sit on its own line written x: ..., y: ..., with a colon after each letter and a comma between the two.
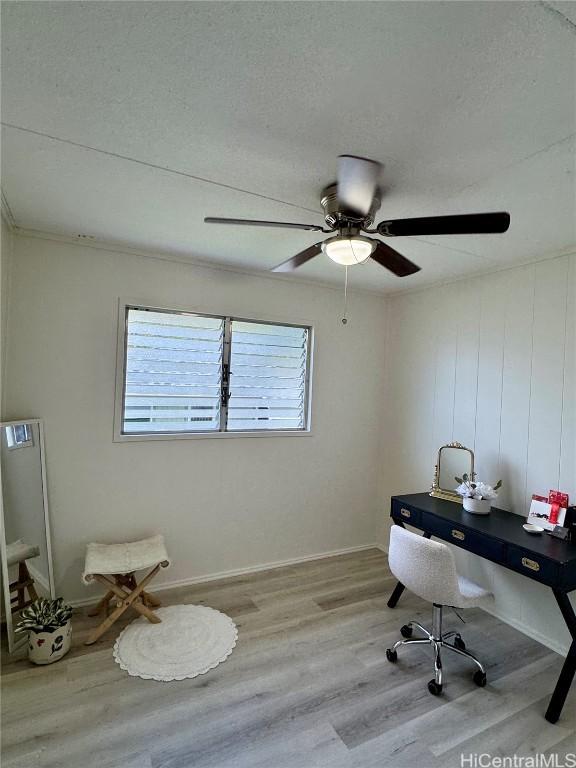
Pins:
x: 569, y: 669
x: 395, y: 596
x: 399, y: 588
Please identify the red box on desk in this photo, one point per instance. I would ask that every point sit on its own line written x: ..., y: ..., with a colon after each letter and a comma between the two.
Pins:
x: 549, y: 511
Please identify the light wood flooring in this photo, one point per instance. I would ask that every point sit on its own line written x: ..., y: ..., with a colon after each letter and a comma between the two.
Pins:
x: 308, y: 686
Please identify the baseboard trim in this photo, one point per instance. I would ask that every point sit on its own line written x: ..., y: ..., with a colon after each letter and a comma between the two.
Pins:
x: 38, y: 578
x: 549, y: 642
x: 220, y: 575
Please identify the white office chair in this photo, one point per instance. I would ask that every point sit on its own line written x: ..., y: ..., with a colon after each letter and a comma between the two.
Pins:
x: 428, y: 569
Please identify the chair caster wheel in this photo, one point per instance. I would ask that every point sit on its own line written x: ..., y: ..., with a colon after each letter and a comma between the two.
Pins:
x: 406, y: 631
x: 391, y: 655
x: 434, y: 688
x: 459, y: 643
x: 479, y: 678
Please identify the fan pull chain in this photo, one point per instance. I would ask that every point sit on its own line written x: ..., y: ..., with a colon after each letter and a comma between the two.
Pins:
x: 344, y: 318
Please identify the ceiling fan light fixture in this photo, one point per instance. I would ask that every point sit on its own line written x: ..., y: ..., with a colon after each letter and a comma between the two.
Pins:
x: 348, y: 250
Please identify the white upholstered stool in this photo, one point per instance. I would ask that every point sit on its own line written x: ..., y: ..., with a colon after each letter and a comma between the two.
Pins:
x: 114, y: 565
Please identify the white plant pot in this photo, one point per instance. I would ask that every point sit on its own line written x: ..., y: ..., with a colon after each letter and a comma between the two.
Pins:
x: 477, y: 506
x: 47, y: 647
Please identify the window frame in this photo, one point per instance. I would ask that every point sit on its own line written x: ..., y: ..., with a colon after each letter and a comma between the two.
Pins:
x: 124, y: 305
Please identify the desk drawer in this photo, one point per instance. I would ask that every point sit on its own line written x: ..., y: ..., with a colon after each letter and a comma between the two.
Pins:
x: 482, y: 545
x: 405, y: 513
x: 536, y: 567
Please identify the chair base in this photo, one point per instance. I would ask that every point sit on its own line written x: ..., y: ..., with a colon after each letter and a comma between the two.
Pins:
x: 438, y: 640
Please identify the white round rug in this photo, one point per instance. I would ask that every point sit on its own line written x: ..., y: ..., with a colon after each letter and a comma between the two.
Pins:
x: 190, y: 640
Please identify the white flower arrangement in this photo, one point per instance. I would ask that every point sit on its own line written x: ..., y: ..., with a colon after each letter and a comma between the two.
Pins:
x: 471, y: 489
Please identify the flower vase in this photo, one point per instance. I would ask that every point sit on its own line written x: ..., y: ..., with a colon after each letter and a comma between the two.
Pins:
x: 477, y: 506
x: 47, y: 647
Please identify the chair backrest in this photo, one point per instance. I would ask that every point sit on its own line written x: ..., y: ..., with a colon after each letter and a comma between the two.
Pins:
x: 425, y: 567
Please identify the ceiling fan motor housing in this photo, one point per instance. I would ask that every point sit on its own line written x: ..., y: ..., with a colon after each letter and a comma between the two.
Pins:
x: 337, y: 217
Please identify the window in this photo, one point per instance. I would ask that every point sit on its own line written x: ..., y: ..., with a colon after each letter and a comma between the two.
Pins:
x: 185, y: 373
x: 268, y: 371
x: 19, y: 436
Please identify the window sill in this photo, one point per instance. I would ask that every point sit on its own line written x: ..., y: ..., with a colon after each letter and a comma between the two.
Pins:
x: 145, y: 437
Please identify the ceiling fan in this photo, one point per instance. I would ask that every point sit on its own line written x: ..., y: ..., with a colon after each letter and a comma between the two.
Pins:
x: 350, y: 205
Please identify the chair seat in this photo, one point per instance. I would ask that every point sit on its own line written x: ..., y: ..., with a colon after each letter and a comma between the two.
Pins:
x: 18, y: 551
x: 472, y: 593
x: 124, y: 558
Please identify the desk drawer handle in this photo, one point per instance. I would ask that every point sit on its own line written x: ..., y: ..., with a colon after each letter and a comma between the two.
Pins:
x: 532, y: 564
x: 458, y: 535
x: 405, y: 512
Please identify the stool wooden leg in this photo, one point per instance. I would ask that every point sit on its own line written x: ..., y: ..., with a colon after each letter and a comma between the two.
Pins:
x: 21, y: 597
x: 106, y: 624
x: 20, y: 586
x: 119, y: 587
x: 151, y: 600
x: 145, y: 611
x: 102, y: 605
x: 31, y: 588
x: 24, y: 583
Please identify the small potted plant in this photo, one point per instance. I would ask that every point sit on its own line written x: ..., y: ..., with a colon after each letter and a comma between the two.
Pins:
x: 476, y: 496
x: 49, y: 629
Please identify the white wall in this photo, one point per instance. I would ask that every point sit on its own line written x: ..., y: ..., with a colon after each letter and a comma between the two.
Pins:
x: 5, y: 253
x: 221, y: 503
x: 489, y: 362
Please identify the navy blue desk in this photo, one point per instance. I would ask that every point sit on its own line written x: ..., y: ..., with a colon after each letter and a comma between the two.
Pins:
x: 499, y: 537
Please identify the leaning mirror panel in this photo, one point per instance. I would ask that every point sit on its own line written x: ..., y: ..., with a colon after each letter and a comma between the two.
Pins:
x: 25, y: 534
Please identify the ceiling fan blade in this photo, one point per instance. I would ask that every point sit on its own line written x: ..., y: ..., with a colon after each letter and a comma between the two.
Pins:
x: 357, y: 183
x: 258, y: 223
x: 299, y: 259
x: 465, y: 224
x: 394, y: 261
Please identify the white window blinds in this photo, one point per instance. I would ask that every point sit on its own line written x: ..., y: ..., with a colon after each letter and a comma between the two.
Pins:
x: 268, y: 367
x: 189, y: 373
x: 173, y: 372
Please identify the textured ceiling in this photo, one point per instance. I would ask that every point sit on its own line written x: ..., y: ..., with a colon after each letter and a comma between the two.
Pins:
x: 131, y: 121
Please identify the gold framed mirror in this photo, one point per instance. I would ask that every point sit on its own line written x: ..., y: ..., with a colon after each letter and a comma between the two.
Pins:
x: 454, y: 460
